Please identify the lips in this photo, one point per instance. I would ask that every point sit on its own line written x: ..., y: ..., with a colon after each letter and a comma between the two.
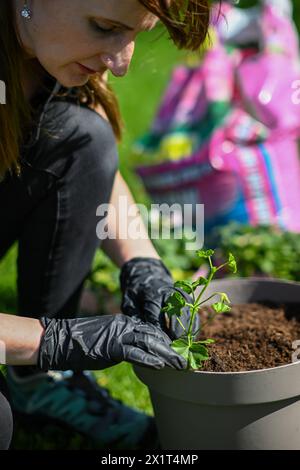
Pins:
x: 86, y: 69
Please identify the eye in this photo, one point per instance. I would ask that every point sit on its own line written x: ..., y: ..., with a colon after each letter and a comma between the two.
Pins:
x: 101, y: 29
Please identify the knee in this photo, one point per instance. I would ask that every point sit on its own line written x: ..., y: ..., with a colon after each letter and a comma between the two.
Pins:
x: 100, y: 155
x: 75, y: 136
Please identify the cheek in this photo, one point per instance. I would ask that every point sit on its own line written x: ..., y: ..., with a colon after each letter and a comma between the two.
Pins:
x: 60, y: 62
x: 58, y: 48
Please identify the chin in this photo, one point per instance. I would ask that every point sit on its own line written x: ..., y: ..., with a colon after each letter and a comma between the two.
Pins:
x: 70, y: 77
x: 74, y: 81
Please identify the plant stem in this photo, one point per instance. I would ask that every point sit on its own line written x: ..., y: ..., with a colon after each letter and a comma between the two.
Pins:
x: 194, y: 311
x: 181, y: 324
x: 208, y: 298
x: 211, y: 275
x: 221, y: 266
x: 195, y: 306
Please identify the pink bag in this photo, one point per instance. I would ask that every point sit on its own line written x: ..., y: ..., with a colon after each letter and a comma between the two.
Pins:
x: 268, y: 97
x: 246, y: 167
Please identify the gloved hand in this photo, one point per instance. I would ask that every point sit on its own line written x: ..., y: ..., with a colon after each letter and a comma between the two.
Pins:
x: 146, y: 284
x: 98, y: 342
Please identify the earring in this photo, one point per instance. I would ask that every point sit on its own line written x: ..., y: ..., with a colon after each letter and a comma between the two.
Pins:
x: 26, y: 12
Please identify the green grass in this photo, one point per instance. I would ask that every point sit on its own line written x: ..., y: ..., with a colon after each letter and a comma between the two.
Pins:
x: 8, y: 275
x: 124, y: 385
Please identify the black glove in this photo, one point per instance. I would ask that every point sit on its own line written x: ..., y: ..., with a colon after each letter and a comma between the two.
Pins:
x: 146, y: 284
x: 98, y: 342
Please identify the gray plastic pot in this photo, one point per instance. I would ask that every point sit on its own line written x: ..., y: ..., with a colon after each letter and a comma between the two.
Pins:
x: 230, y: 410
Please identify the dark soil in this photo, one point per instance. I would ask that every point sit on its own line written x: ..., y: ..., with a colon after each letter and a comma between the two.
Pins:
x: 251, y: 337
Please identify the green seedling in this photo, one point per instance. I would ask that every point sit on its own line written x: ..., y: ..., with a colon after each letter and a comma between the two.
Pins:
x: 195, y: 352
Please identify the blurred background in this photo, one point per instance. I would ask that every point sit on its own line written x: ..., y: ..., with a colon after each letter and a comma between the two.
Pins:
x: 266, y: 247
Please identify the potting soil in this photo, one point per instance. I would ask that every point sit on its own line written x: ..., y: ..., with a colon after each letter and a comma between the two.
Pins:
x: 251, y: 336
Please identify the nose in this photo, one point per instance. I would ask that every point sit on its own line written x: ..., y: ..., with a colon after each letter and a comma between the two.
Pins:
x: 118, y: 62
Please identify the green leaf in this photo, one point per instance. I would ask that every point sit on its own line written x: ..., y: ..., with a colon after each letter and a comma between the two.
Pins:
x: 197, y: 354
x: 224, y: 298
x: 232, y: 263
x: 220, y: 307
x: 181, y: 346
x: 194, y: 362
x: 187, y: 286
x: 205, y: 253
x: 200, y: 349
x: 205, y: 341
x: 194, y: 354
x: 201, y: 281
x: 174, y: 304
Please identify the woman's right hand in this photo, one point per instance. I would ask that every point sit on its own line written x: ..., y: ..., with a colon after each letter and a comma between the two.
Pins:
x: 95, y: 343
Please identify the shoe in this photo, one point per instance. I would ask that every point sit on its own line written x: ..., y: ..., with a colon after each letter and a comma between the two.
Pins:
x: 76, y: 400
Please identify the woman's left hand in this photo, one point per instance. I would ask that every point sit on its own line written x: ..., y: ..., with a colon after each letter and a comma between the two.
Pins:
x: 146, y: 284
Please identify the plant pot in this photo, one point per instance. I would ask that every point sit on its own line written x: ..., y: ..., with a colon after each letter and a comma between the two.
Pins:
x: 230, y: 410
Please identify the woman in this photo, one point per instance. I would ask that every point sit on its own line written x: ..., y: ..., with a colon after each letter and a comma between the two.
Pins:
x: 58, y: 163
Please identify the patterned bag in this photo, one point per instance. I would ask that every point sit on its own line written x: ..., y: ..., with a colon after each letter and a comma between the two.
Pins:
x: 226, y: 132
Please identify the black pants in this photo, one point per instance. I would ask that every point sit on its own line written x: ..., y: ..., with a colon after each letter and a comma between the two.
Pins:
x: 6, y: 420
x: 51, y: 209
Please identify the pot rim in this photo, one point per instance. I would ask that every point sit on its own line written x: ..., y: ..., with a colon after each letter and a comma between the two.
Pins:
x: 248, y: 372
